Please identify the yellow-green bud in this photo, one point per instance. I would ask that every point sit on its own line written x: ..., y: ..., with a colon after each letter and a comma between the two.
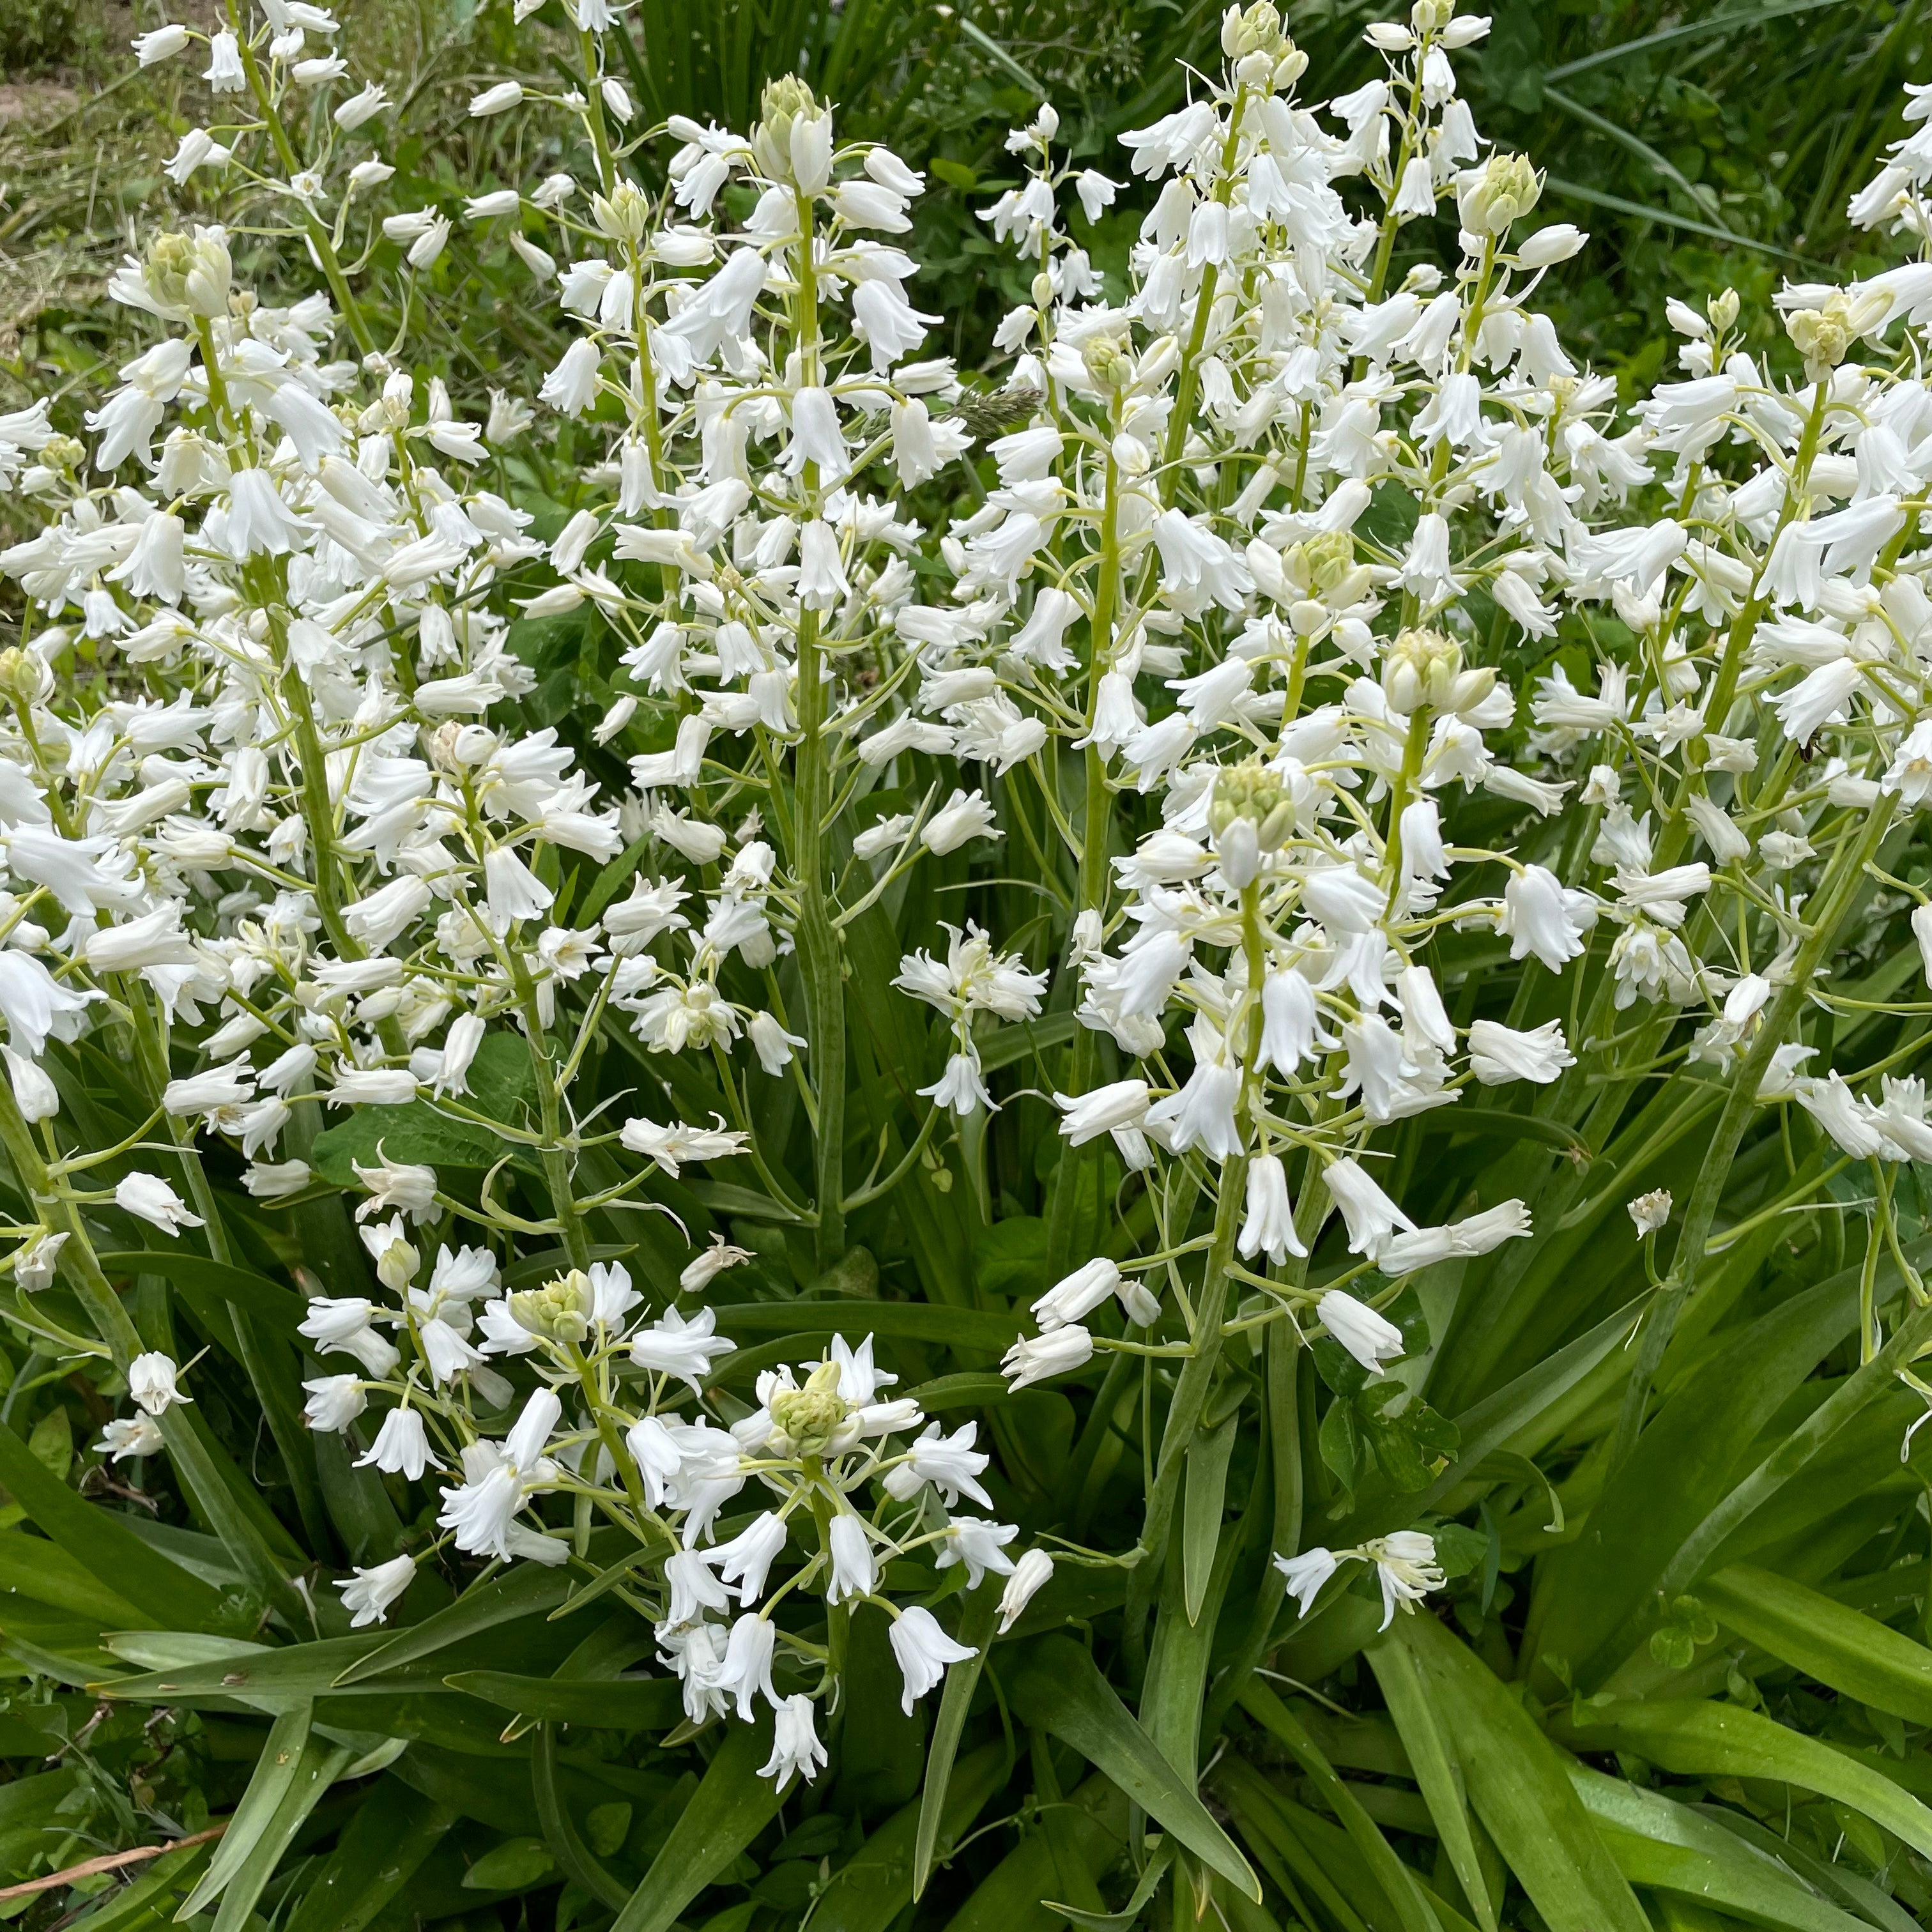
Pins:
x: 1250, y: 791
x: 1317, y: 566
x: 63, y: 452
x: 1425, y: 668
x: 1723, y: 309
x: 808, y: 1418
x: 624, y: 213
x: 23, y: 676
x: 396, y: 1265
x: 189, y: 274
x: 1431, y: 16
x: 1251, y: 29
x: 1823, y: 336
x: 1503, y: 189
x: 559, y: 1311
x: 787, y: 103
x: 1107, y: 361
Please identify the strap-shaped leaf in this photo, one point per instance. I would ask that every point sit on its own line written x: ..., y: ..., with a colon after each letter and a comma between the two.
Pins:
x: 526, y: 1590
x: 731, y: 1806
x: 97, y: 1539
x: 1205, y: 1493
x: 609, y: 1704
x: 1842, y: 1647
x: 1397, y: 1881
x: 1060, y: 1688
x: 962, y: 1679
x: 277, y: 1772
x: 1432, y: 1757
x: 870, y: 1890
x: 573, y: 1857
x: 1670, y: 1847
x: 1707, y: 1740
x: 1521, y: 1790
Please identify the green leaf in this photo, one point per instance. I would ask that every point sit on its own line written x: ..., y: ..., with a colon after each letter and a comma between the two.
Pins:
x: 869, y: 1890
x: 1059, y: 1688
x: 1397, y: 1882
x: 731, y: 1806
x: 1432, y: 1757
x: 576, y: 1858
x: 515, y: 1865
x: 282, y: 1768
x: 34, y: 1567
x: 276, y: 1307
x: 524, y: 1591
x: 1707, y: 1740
x: 1683, y: 1465
x: 383, y: 1845
x: 1520, y: 1788
x: 1670, y: 1847
x: 96, y: 1538
x: 1205, y: 1493
x: 976, y: 1628
x: 609, y: 1704
x: 1853, y: 1653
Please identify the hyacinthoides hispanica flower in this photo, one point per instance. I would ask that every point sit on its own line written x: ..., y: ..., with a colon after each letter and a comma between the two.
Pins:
x: 1225, y: 653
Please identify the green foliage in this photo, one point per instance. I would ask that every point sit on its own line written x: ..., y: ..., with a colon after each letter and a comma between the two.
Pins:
x: 1692, y: 1691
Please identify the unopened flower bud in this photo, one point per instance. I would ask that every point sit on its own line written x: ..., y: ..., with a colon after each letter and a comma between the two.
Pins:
x: 623, y: 214
x: 787, y: 101
x: 189, y: 274
x: 808, y: 1418
x: 23, y: 677
x: 1251, y: 791
x: 559, y: 1311
x: 1107, y: 361
x: 1250, y: 29
x: 396, y: 1264
x: 1723, y: 309
x: 1503, y: 189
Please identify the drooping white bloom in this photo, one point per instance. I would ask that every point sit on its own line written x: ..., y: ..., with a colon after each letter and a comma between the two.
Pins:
x: 923, y: 1650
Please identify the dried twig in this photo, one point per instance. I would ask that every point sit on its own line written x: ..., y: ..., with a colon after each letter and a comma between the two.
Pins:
x: 110, y: 1861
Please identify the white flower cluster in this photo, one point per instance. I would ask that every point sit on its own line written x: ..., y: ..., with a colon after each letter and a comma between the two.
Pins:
x: 1225, y: 649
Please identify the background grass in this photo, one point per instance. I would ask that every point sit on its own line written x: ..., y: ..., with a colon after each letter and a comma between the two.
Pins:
x: 1702, y: 146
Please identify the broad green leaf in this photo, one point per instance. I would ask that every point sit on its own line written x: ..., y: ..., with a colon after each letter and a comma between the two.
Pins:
x: 282, y: 1768
x: 731, y: 1806
x: 515, y: 1865
x: 1683, y: 1465
x: 526, y: 1590
x: 1205, y: 1493
x: 276, y: 1306
x: 296, y: 1672
x: 1397, y: 1882
x: 611, y: 1704
x: 868, y: 1892
x: 1708, y: 1740
x: 976, y: 1629
x: 317, y: 1770
x: 1518, y: 1785
x: 1010, y: 1897
x: 573, y: 1856
x: 261, y: 1549
x: 1856, y: 1893
x: 1670, y: 1847
x: 1060, y: 1688
x: 1852, y: 1653
x: 33, y: 1567
x: 1432, y: 1759
x: 97, y: 1539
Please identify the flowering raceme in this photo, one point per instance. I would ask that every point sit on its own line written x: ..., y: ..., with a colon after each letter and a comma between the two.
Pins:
x: 1314, y: 639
